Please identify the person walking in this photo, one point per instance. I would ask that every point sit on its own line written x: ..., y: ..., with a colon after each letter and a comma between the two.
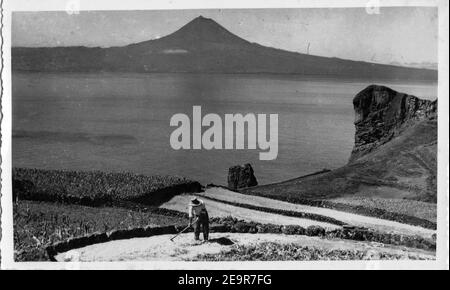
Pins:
x: 198, y: 217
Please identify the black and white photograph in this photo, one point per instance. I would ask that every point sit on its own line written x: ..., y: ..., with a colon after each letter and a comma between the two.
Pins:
x: 195, y: 136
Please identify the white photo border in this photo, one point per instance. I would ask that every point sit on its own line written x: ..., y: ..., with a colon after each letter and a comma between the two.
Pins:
x: 7, y: 240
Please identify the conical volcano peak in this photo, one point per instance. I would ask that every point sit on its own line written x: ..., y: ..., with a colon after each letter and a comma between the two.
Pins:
x: 203, y: 29
x: 201, y: 20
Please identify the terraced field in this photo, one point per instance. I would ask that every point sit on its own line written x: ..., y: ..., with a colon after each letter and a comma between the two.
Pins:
x: 61, y: 217
x: 219, y: 209
x: 185, y: 248
x: 214, y: 197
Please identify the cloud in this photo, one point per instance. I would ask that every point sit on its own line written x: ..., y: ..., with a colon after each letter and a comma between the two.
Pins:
x: 175, y: 51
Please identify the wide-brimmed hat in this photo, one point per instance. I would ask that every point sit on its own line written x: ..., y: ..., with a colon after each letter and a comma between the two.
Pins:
x: 195, y: 201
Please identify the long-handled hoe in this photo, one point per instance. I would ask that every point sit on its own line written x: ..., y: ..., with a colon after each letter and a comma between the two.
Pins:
x: 171, y: 239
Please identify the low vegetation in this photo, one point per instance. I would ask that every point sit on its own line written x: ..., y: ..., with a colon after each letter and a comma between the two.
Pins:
x: 40, y: 224
x: 421, y: 210
x: 270, y: 251
x: 96, y: 188
x: 52, y: 206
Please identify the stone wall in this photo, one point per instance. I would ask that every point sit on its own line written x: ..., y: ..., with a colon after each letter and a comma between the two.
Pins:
x: 233, y: 225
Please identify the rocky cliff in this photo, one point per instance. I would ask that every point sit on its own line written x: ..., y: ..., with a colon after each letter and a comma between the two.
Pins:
x: 395, y: 154
x: 382, y: 114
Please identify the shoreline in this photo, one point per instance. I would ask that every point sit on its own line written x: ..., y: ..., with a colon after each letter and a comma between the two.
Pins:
x: 268, y: 75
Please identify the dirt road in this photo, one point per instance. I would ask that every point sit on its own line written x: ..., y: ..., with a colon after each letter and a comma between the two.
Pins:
x: 218, y: 209
x: 160, y: 248
x: 349, y: 218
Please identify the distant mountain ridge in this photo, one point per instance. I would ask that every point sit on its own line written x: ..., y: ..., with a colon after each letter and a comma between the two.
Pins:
x: 421, y: 65
x: 203, y: 46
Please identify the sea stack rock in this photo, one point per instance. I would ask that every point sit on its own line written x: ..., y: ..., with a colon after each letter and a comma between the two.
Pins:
x: 382, y: 113
x: 241, y: 177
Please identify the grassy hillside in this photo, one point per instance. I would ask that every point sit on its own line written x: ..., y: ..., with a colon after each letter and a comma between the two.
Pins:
x: 403, y: 168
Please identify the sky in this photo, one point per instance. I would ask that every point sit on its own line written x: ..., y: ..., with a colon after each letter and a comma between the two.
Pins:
x: 401, y: 35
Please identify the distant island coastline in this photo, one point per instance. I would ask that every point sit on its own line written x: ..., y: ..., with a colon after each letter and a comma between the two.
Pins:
x: 204, y: 46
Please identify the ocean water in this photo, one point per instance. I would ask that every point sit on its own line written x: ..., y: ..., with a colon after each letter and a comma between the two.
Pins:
x: 120, y: 121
